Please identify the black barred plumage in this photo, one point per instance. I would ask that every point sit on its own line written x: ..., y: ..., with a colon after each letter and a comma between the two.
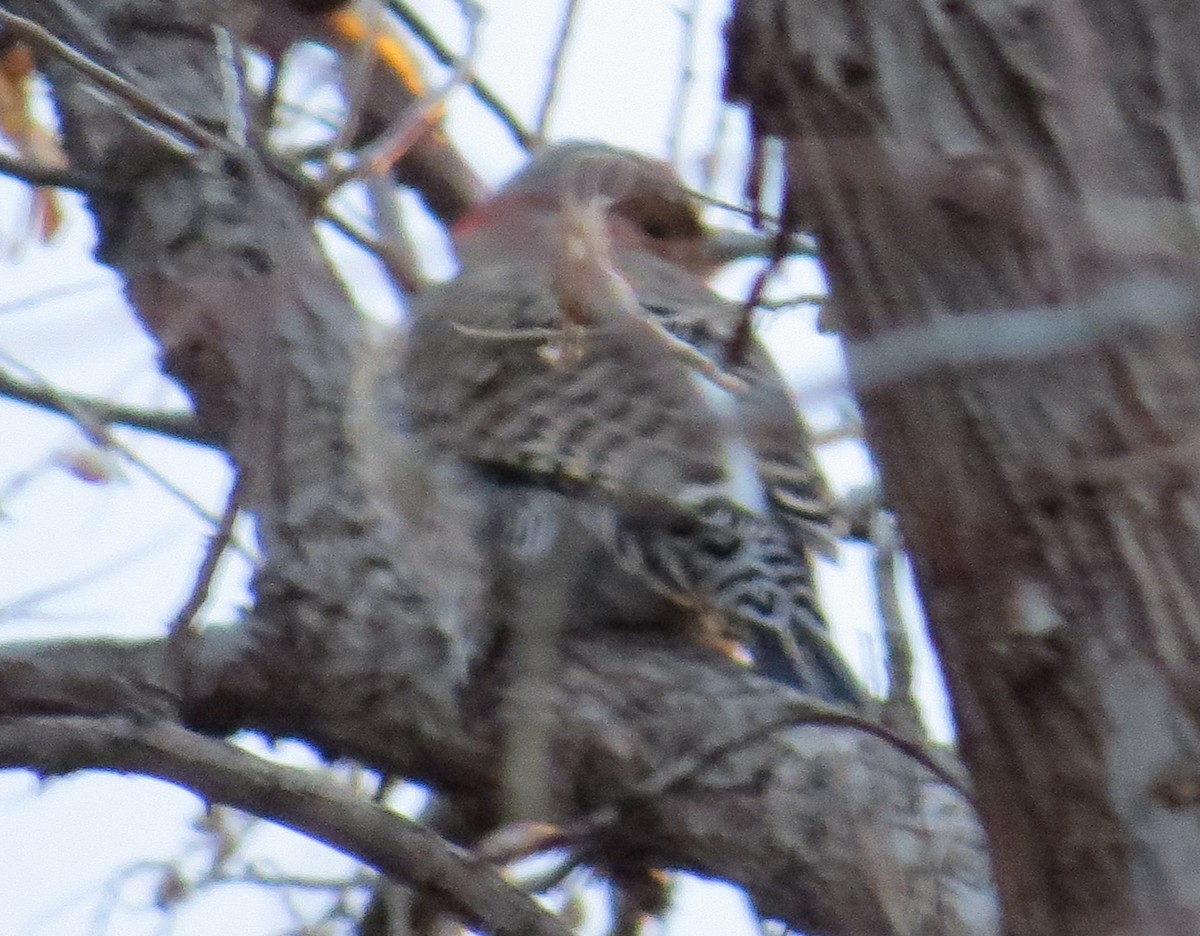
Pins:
x: 579, y: 374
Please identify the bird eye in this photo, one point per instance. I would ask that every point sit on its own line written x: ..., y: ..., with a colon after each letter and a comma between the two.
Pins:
x: 660, y: 217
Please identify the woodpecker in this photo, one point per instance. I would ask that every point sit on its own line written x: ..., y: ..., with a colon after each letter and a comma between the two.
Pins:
x: 634, y: 476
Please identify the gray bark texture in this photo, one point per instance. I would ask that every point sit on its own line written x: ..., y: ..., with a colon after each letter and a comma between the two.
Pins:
x: 1005, y: 196
x: 669, y: 754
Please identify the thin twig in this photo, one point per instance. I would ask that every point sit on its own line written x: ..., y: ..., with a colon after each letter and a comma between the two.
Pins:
x: 233, y: 86
x: 754, y: 179
x: 799, y: 245
x: 36, y: 174
x: 790, y: 714
x: 251, y: 874
x: 790, y: 302
x: 397, y: 263
x: 554, y: 877
x: 142, y: 103
x: 711, y: 162
x: 739, y: 340
x: 269, y: 102
x: 222, y: 773
x: 1143, y: 306
x: 356, y: 78
x: 179, y: 494
x: 419, y: 28
x: 900, y: 710
x: 24, y: 606
x: 177, y: 425
x: 97, y: 432
x: 415, y: 121
x: 554, y: 75
x: 181, y: 626
x: 687, y: 78
x: 35, y: 300
x: 693, y: 357
x: 400, y: 258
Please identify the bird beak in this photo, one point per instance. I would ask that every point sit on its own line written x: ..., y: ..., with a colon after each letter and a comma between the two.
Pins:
x: 725, y: 246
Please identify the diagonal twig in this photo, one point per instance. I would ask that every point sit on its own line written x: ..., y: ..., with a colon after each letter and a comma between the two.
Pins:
x: 98, y: 433
x: 233, y: 86
x: 222, y: 773
x: 182, y: 624
x: 687, y: 78
x: 356, y: 76
x: 175, y: 424
x: 141, y: 103
x: 554, y: 75
x: 900, y: 710
x: 38, y: 174
x: 414, y: 122
x: 419, y: 28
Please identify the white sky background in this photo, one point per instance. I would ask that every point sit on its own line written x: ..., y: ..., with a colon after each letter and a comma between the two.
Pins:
x: 131, y: 549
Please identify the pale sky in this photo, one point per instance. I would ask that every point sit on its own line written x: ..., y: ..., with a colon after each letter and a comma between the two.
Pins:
x: 127, y: 549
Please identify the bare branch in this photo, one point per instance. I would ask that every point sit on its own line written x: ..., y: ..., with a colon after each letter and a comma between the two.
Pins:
x: 356, y: 75
x: 799, y: 245
x: 443, y: 54
x: 395, y: 259
x: 791, y: 302
x: 140, y: 102
x: 399, y: 255
x: 795, y: 712
x: 687, y: 77
x: 735, y: 350
x: 98, y: 433
x: 554, y: 75
x: 233, y: 86
x: 1142, y: 306
x: 741, y: 793
x: 900, y: 710
x: 711, y: 161
x: 222, y: 773
x: 34, y: 174
x: 182, y: 626
x: 416, y: 120
x: 24, y: 606
x: 175, y: 424
x: 1133, y: 306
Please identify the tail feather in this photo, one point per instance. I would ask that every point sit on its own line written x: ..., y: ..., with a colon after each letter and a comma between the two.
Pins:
x: 765, y: 583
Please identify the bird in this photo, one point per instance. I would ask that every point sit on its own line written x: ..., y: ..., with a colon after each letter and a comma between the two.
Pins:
x: 637, y: 475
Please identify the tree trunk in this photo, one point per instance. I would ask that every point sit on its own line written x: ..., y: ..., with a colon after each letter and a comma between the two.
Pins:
x: 669, y: 753
x: 1006, y: 200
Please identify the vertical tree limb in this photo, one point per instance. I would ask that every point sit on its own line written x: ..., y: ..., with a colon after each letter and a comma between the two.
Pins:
x: 961, y: 163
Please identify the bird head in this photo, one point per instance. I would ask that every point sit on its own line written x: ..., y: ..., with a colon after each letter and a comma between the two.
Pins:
x: 645, y: 206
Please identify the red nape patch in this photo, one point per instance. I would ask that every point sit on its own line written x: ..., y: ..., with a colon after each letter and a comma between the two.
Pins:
x: 471, y: 221
x: 491, y: 211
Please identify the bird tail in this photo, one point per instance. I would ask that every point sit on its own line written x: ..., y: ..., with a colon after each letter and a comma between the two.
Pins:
x: 801, y: 655
x: 765, y: 584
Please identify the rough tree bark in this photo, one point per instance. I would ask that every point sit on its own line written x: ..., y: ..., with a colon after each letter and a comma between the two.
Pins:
x: 1005, y: 196
x: 825, y: 827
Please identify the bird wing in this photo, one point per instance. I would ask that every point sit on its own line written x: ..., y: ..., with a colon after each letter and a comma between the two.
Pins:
x: 759, y: 561
x: 495, y: 374
x: 765, y: 417
x: 607, y: 416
